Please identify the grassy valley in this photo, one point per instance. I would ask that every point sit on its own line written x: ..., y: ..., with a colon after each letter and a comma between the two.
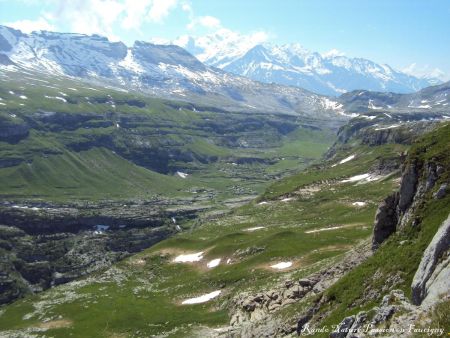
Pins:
x: 192, y: 185
x: 310, y: 220
x: 62, y: 140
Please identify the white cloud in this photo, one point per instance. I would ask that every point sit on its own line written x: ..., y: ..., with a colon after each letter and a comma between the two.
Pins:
x: 100, y: 16
x: 135, y: 13
x: 160, y: 9
x: 204, y: 21
x: 209, y: 21
x: 138, y: 12
x: 87, y: 16
x: 28, y: 26
x: 187, y: 7
x: 103, y: 16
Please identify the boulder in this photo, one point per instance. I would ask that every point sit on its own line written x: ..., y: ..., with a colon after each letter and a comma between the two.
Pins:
x: 435, y: 250
x: 441, y: 192
x: 305, y: 282
x: 438, y: 285
x: 302, y: 321
x: 343, y: 328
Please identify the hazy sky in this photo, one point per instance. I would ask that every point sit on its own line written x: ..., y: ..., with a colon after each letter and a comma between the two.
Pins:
x: 400, y: 33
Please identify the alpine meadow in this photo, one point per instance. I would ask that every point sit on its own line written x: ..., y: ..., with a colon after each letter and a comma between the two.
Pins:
x: 238, y: 169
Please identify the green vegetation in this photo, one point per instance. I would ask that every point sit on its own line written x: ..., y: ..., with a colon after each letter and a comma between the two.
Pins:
x: 92, y: 174
x: 62, y: 140
x: 142, y: 295
x: 134, y: 148
x: 400, y: 255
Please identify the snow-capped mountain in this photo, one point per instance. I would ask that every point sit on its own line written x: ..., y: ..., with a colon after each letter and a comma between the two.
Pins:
x: 160, y: 70
x: 329, y: 74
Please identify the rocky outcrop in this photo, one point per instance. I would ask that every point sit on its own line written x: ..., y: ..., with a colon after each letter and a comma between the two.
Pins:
x: 363, y: 325
x: 395, y: 316
x: 375, y: 131
x: 408, y: 187
x: 343, y: 328
x: 254, y: 312
x: 398, y: 210
x: 441, y: 192
x: 385, y: 220
x: 439, y: 246
x: 46, y: 245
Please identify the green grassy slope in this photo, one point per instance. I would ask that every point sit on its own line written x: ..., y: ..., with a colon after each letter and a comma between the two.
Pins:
x: 142, y: 295
x: 94, y: 174
x: 401, y: 254
x: 62, y: 140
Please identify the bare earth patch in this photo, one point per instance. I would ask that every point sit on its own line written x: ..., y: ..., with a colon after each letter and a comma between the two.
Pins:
x: 56, y: 324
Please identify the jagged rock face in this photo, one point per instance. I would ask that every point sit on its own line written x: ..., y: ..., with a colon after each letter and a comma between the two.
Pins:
x: 397, y: 210
x: 378, y: 129
x: 408, y: 187
x: 431, y: 176
x: 435, y: 251
x: 33, y: 263
x: 51, y: 246
x: 385, y: 220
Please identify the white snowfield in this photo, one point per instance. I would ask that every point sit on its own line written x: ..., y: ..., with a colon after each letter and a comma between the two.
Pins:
x: 356, y: 178
x: 324, y: 229
x: 287, y: 199
x: 371, y: 117
x: 253, y: 229
x: 263, y: 203
x: 203, y: 298
x: 345, y: 160
x: 281, y: 265
x: 363, y: 177
x: 56, y: 98
x: 372, y: 106
x: 213, y: 263
x: 195, y: 257
x: 388, y: 127
x: 359, y: 204
x: 182, y: 175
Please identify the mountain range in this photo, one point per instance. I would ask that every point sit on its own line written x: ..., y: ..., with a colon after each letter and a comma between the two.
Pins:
x: 330, y: 73
x: 166, y: 71
x: 148, y: 192
x: 262, y: 78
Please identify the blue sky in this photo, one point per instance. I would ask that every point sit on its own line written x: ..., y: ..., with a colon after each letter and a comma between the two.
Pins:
x: 400, y: 33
